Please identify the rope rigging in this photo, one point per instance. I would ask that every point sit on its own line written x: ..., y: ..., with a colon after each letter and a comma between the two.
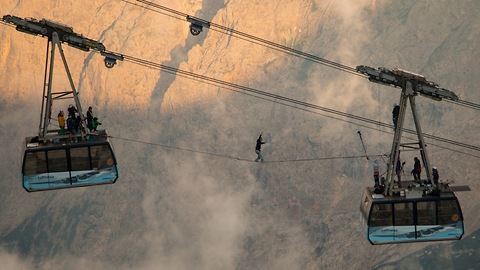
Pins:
x: 233, y: 157
x: 276, y: 98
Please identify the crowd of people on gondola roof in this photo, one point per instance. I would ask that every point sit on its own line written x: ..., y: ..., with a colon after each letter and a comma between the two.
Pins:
x: 417, y: 167
x: 73, y: 123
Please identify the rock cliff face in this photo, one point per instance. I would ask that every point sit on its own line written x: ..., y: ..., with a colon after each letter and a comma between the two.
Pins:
x: 211, y: 209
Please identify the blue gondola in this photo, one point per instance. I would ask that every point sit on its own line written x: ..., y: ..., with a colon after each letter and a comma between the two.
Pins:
x: 412, y: 216
x: 419, y: 209
x: 52, y: 160
x: 60, y: 164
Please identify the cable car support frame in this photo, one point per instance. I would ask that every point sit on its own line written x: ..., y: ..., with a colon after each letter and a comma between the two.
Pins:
x: 412, y: 84
x: 58, y: 33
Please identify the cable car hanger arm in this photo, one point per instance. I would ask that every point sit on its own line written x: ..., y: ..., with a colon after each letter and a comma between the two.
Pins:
x: 398, y: 78
x: 47, y: 28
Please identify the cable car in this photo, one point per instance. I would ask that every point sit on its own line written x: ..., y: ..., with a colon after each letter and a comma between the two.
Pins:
x: 411, y: 216
x: 53, y: 160
x: 418, y: 210
x: 61, y: 164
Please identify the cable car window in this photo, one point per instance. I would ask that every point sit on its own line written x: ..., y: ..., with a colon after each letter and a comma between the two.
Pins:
x: 365, y: 206
x: 101, y: 157
x: 80, y: 159
x: 448, y: 212
x: 57, y: 161
x: 35, y: 163
x: 426, y: 213
x: 403, y: 214
x: 381, y: 215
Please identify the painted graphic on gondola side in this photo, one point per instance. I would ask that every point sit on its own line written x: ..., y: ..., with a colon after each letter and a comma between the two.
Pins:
x: 393, y: 234
x: 67, y: 179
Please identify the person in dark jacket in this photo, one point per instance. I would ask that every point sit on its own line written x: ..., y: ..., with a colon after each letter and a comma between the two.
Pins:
x: 435, y: 176
x: 71, y: 129
x: 90, y: 118
x: 417, y: 169
x: 395, y: 112
x: 258, y: 148
x: 78, y: 124
x: 72, y: 111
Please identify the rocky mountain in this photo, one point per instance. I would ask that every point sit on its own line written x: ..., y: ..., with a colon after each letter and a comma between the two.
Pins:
x: 212, y: 207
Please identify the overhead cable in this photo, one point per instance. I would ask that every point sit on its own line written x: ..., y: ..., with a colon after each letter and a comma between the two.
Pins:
x: 277, y: 98
x: 257, y: 40
x: 266, y: 43
x: 466, y: 104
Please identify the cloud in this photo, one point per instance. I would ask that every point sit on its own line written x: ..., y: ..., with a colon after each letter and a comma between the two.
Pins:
x: 11, y: 261
x: 196, y: 219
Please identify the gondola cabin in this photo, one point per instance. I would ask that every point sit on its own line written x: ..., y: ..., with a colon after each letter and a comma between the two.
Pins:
x: 60, y: 164
x: 411, y: 216
x: 425, y: 209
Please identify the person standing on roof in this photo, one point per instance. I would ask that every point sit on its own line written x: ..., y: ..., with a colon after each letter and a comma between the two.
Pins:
x: 71, y: 129
x: 376, y: 171
x: 95, y: 123
x: 72, y: 111
x: 395, y: 113
x: 435, y: 176
x: 398, y: 171
x: 61, y: 123
x: 90, y: 118
x: 417, y: 169
x: 258, y: 148
x: 78, y: 125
